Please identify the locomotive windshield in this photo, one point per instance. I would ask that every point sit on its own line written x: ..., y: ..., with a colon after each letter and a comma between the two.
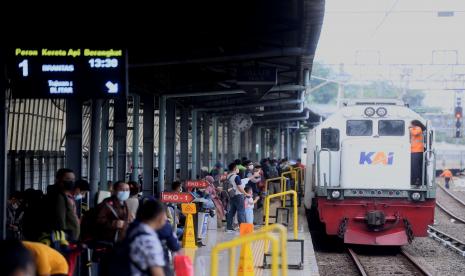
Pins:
x: 359, y: 128
x: 391, y: 128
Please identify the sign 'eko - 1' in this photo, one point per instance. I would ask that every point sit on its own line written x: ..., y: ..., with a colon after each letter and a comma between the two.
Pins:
x: 67, y: 72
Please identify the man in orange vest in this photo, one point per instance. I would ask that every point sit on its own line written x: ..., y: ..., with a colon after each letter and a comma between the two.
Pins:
x: 447, y: 174
x: 417, y: 148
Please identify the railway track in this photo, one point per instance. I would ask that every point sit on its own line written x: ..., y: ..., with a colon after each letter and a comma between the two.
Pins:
x: 400, y: 263
x: 447, y: 240
x: 450, y: 213
x: 452, y: 195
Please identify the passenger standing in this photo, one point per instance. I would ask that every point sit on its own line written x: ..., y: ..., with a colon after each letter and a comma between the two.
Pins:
x: 447, y: 174
x: 113, y: 214
x: 146, y: 252
x: 417, y: 149
x: 81, y: 188
x: 133, y: 200
x: 212, y: 191
x: 236, y: 203
x: 61, y: 205
x: 216, y: 172
x: 299, y: 164
x: 249, y: 203
x: 15, y: 212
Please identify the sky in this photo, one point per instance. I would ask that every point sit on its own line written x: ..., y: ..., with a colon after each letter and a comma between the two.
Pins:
x: 396, y: 32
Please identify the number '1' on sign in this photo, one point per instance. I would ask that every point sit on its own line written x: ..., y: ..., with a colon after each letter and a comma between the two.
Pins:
x: 175, y: 197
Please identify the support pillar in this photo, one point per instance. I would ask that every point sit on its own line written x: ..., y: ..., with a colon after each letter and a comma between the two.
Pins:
x: 194, y: 171
x: 104, y: 146
x: 230, y: 144
x: 73, y: 136
x: 135, y: 138
x: 170, y: 141
x: 148, y: 145
x: 119, y: 139
x: 3, y: 156
x: 214, y: 142
x: 94, y: 149
x: 184, y: 167
x: 206, y: 141
x: 161, y: 145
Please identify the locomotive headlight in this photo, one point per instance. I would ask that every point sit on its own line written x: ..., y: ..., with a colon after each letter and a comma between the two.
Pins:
x: 335, y: 194
x: 381, y: 111
x: 369, y: 111
x: 416, y: 196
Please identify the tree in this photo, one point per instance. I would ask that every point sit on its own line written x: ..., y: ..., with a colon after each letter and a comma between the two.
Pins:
x: 414, y: 98
x: 327, y: 93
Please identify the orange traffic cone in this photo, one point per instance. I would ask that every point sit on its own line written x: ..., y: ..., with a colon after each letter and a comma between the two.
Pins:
x: 246, y: 263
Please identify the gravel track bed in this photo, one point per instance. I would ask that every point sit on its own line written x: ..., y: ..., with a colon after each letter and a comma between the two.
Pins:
x: 436, y: 258
x: 332, y: 263
x: 445, y: 223
x: 383, y: 265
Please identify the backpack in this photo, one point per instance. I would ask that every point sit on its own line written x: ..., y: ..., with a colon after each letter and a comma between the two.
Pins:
x: 230, y: 185
x: 120, y: 260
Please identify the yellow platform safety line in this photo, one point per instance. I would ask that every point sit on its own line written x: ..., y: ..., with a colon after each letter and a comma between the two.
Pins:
x: 247, y: 239
x: 293, y: 175
x: 267, y: 209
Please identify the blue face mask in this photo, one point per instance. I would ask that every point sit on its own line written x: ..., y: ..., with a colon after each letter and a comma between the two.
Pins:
x: 122, y: 195
x: 78, y: 197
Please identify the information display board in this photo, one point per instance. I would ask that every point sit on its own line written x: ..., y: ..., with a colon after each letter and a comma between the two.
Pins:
x: 83, y: 73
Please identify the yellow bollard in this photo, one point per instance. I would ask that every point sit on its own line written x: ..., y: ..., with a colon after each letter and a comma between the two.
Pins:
x: 188, y: 238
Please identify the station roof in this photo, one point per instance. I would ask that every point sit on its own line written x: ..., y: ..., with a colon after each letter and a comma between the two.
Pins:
x: 207, y: 50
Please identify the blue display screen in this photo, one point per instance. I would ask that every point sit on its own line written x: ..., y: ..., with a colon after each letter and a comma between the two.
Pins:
x: 67, y: 72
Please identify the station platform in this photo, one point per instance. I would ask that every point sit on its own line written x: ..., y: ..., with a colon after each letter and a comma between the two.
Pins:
x: 202, y: 259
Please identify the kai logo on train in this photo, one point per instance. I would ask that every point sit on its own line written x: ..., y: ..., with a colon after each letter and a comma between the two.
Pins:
x: 376, y: 157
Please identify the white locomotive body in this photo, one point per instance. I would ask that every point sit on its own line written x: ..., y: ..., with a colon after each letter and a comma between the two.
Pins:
x: 358, y: 174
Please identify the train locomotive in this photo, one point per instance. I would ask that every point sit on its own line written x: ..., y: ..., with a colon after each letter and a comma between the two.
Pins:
x: 358, y: 174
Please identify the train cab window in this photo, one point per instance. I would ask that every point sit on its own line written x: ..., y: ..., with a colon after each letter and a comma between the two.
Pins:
x: 359, y: 128
x: 391, y: 128
x: 330, y: 139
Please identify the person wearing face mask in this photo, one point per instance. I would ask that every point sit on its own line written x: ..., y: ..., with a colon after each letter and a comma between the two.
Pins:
x: 14, y: 220
x: 61, y: 205
x: 113, y: 214
x: 81, y: 187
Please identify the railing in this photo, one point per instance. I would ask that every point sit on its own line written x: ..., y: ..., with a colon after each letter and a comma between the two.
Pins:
x: 300, y: 172
x: 267, y: 209
x: 243, y: 240
x: 293, y: 175
x: 283, y: 238
x: 282, y: 179
x: 319, y: 166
